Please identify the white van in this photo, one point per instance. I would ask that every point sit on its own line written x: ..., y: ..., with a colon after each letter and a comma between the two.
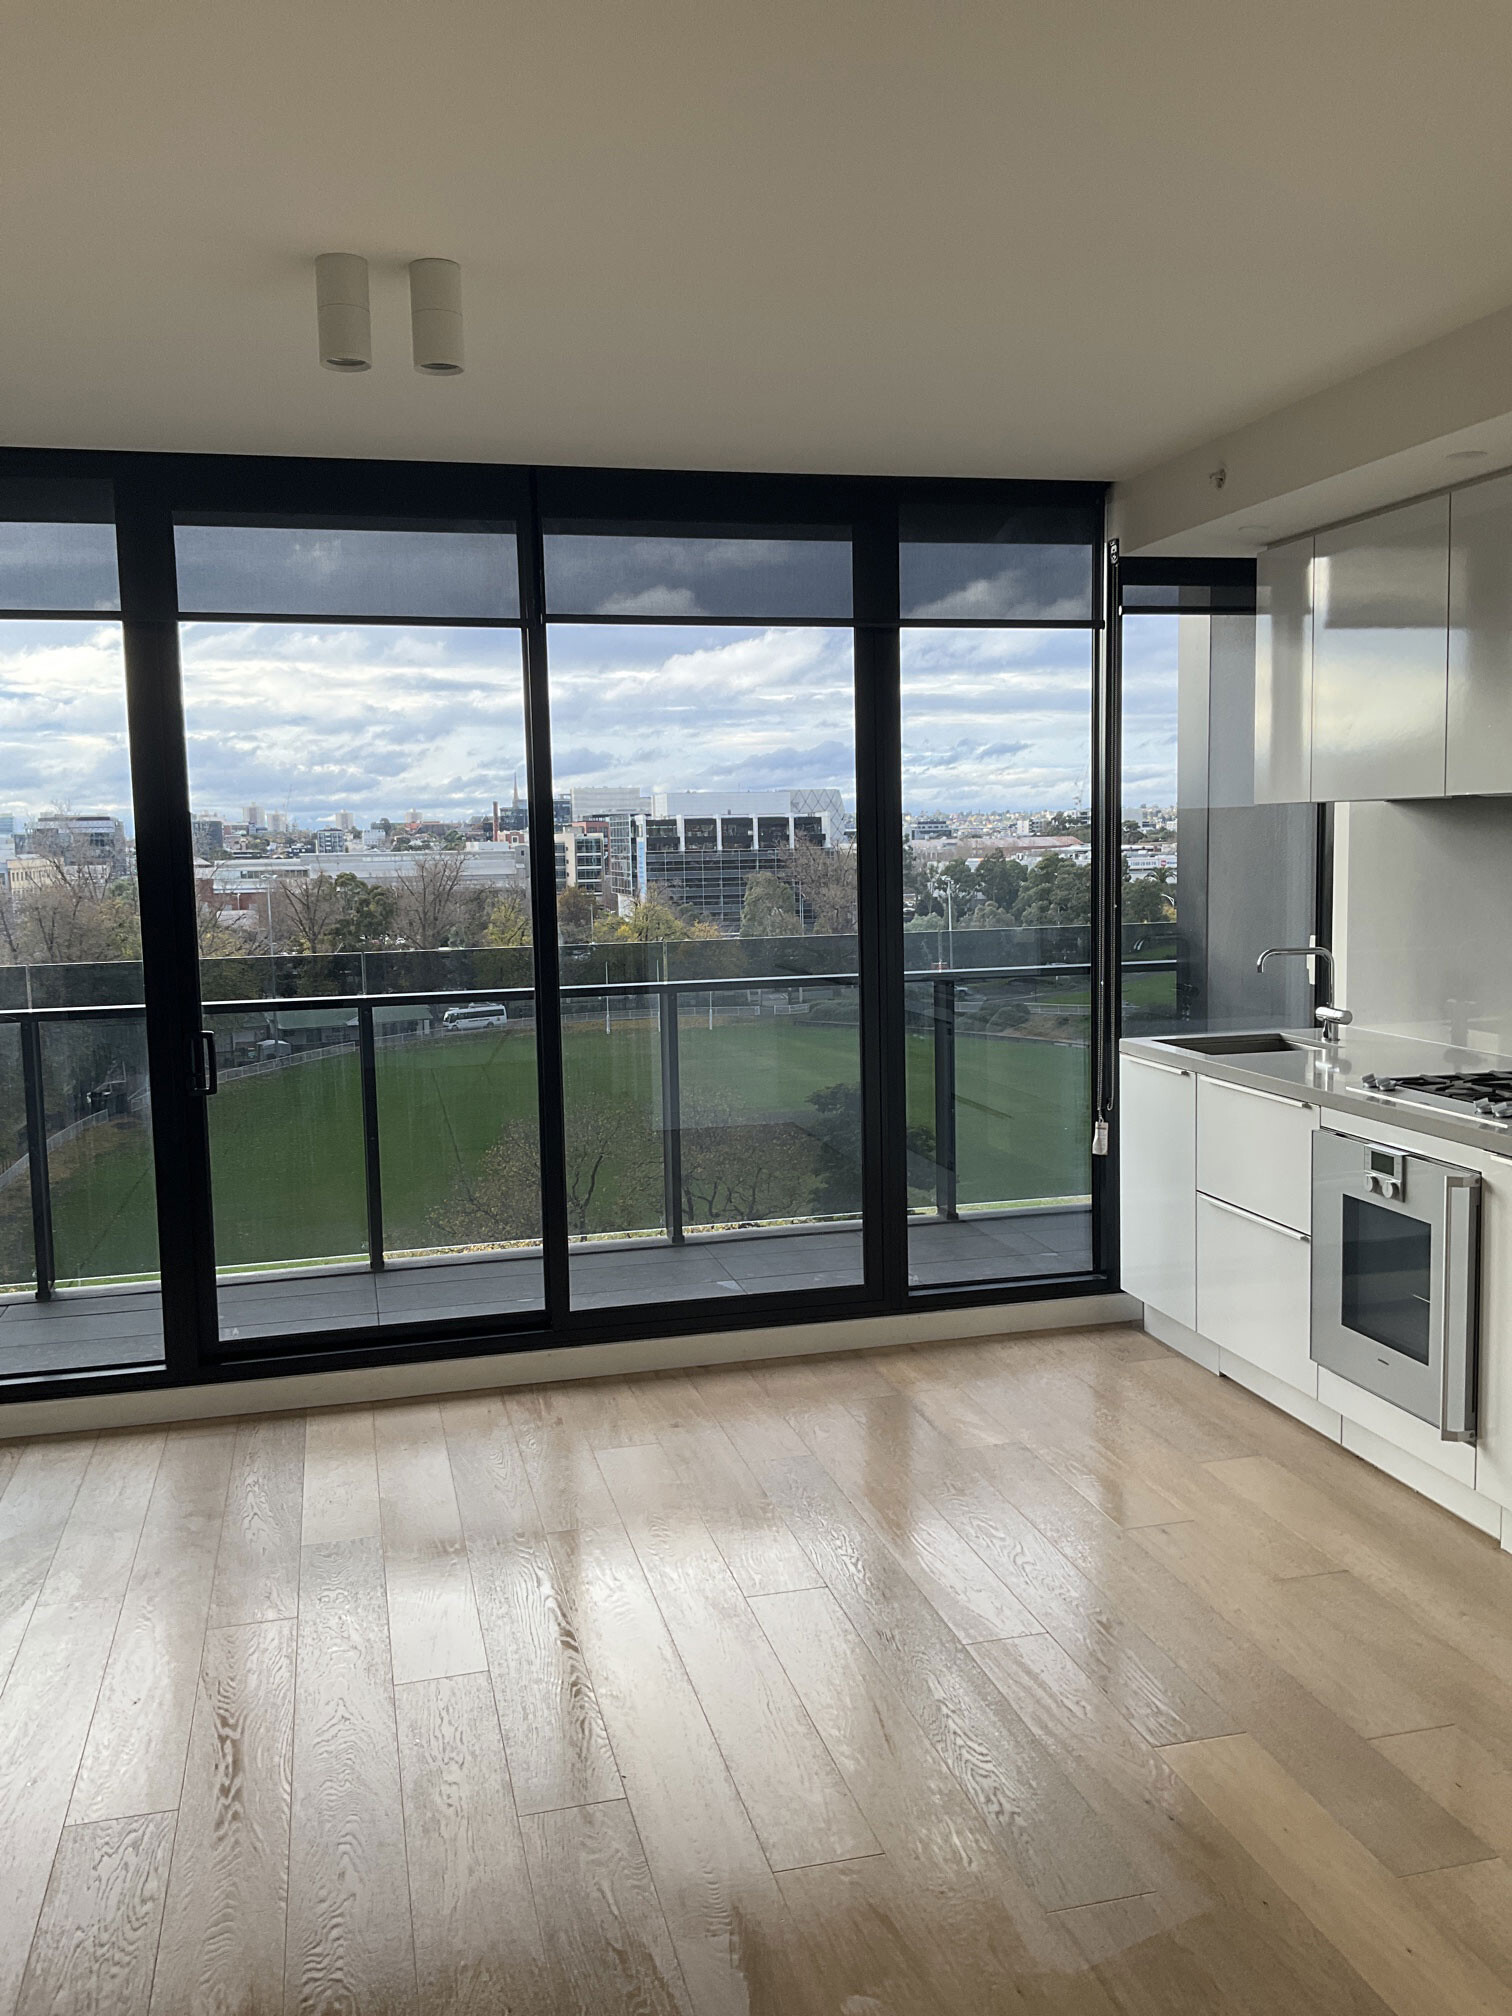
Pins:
x: 476, y: 1015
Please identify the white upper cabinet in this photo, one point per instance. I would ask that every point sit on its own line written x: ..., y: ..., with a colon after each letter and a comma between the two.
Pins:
x: 1380, y: 655
x: 1284, y: 674
x: 1480, y: 638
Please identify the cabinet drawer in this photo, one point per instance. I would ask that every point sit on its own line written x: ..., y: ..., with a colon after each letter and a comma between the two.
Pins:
x: 1254, y: 1292
x: 1255, y: 1151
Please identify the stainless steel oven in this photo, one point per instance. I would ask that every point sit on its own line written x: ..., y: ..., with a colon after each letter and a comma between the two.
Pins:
x: 1395, y: 1277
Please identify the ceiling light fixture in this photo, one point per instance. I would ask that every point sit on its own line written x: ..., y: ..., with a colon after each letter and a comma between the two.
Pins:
x: 1467, y: 455
x: 341, y: 311
x: 436, y: 316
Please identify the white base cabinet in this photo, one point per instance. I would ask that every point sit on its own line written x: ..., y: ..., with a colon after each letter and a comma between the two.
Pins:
x: 1254, y: 1287
x: 1158, y: 1186
x: 1216, y: 1213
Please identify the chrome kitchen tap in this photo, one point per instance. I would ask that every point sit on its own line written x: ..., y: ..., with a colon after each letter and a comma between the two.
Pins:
x: 1331, y: 1020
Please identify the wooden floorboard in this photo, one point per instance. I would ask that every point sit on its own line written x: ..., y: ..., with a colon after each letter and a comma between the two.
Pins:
x: 134, y: 1760
x: 222, y: 1943
x: 97, y: 1937
x: 1027, y: 1674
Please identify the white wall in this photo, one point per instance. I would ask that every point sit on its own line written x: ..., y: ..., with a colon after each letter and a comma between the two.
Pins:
x: 1423, y: 919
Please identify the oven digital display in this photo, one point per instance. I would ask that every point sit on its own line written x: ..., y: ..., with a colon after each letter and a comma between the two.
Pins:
x: 1383, y: 1163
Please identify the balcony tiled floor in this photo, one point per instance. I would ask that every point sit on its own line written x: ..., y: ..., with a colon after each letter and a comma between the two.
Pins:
x: 87, y: 1329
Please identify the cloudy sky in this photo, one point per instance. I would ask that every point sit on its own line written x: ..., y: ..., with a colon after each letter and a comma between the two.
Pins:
x: 316, y: 719
x: 1149, y: 710
x: 63, y: 719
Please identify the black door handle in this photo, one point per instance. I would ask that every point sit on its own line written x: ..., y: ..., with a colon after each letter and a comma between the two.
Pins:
x: 206, y: 1064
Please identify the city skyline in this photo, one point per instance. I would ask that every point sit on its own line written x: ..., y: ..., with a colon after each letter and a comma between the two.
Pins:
x: 312, y: 721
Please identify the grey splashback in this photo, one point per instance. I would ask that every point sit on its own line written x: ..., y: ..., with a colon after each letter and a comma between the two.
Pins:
x: 1423, y: 917
x: 1247, y: 870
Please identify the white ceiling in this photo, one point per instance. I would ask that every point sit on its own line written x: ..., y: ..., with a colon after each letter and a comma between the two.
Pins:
x: 992, y: 237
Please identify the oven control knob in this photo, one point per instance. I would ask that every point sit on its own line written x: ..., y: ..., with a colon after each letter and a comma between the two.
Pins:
x: 1487, y: 1108
x: 1502, y: 1109
x: 1371, y: 1082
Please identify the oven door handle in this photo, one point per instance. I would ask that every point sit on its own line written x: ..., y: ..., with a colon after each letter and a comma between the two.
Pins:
x: 1457, y: 1344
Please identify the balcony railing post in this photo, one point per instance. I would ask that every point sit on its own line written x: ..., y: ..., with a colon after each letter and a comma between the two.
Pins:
x: 671, y: 1111
x: 36, y: 1157
x: 367, y: 1061
x: 945, y: 1097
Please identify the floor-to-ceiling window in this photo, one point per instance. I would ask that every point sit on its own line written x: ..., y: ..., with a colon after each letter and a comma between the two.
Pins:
x: 78, y: 1221
x: 996, y: 684
x: 703, y: 736
x: 550, y: 906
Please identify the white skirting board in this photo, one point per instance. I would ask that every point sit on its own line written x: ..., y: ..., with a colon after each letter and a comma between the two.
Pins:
x: 1424, y: 1478
x: 1325, y: 1421
x: 345, y: 1387
x: 1166, y: 1330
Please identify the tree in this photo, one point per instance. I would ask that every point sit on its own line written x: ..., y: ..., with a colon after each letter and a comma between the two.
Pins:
x: 1150, y: 900
x: 218, y: 940
x: 576, y: 911
x: 768, y: 908
x: 1057, y: 891
x: 738, y: 1169
x: 613, y: 1172
x: 308, y: 914
x: 823, y: 880
x: 917, y: 886
x: 836, y: 1133
x: 367, y: 915
x: 500, y: 1203
x: 656, y: 919
x: 431, y: 904
x: 1000, y: 878
x: 508, y: 921
x: 76, y: 914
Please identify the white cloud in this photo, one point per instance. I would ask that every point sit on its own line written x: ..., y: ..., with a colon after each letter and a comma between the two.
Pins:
x: 374, y: 720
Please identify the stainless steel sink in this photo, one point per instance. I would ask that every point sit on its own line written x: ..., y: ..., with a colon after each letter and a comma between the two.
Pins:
x: 1241, y: 1043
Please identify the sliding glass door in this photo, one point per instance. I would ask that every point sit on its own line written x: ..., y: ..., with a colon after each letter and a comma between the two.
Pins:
x: 362, y: 891
x: 704, y: 792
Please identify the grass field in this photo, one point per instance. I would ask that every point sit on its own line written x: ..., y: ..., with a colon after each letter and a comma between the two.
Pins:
x: 287, y: 1144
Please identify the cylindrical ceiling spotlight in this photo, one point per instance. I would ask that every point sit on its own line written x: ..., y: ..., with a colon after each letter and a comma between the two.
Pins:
x: 341, y: 307
x: 436, y: 316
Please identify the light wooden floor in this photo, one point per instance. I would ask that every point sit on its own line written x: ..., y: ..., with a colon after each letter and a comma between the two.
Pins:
x: 1049, y: 1674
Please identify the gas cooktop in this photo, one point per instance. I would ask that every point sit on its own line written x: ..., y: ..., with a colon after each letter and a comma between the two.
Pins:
x: 1487, y: 1095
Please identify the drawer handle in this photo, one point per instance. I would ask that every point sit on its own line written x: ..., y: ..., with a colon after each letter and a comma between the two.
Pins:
x: 1150, y: 1064
x: 1254, y: 1092
x: 1254, y: 1218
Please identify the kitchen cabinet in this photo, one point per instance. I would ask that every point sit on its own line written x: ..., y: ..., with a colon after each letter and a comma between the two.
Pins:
x: 1254, y: 1291
x: 1494, y: 1395
x: 1380, y: 655
x: 1479, y: 755
x: 1284, y: 674
x: 1254, y: 1149
x: 1158, y: 1186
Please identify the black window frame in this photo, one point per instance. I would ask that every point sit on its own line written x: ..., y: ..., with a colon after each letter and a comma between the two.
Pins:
x: 153, y: 491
